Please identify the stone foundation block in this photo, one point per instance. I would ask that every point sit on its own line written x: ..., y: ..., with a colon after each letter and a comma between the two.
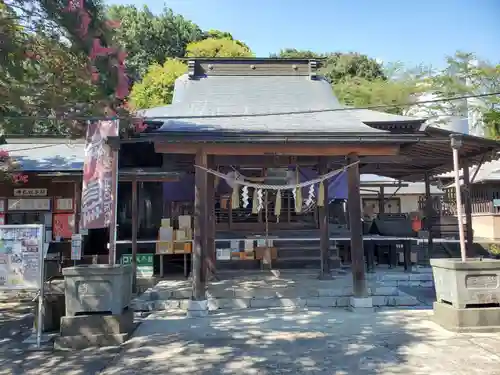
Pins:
x: 380, y: 300
x: 182, y: 294
x: 385, y: 291
x: 233, y: 303
x: 91, y: 325
x: 265, y: 303
x: 343, y: 302
x: 335, y: 292
x: 421, y: 277
x: 402, y: 301
x: 83, y: 342
x: 167, y: 304
x: 363, y: 302
x: 467, y: 320
x: 197, y: 309
x: 321, y: 302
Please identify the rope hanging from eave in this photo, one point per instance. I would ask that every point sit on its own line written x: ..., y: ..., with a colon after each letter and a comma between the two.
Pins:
x: 241, y: 181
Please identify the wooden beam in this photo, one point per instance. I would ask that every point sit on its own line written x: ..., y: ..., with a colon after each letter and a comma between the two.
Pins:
x: 277, y: 149
x: 200, y: 227
x: 210, y: 255
x: 356, y: 226
x: 324, y: 242
x: 429, y: 216
x: 135, y: 229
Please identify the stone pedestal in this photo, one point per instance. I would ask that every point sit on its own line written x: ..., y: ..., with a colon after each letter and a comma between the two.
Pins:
x: 467, y: 294
x: 97, y: 300
x: 486, y: 319
x: 83, y: 331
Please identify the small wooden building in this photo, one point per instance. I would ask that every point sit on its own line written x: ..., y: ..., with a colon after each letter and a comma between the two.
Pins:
x: 272, y: 114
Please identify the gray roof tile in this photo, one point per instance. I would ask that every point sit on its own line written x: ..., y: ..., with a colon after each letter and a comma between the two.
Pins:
x: 236, y: 95
x: 49, y: 156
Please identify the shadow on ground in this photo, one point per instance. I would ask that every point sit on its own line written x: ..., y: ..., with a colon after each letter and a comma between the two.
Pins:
x: 301, y: 342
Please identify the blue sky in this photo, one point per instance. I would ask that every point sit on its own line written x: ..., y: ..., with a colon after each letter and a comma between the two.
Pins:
x: 412, y: 32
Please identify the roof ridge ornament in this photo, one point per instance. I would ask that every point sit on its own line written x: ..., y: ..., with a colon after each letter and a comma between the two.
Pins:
x: 191, y: 69
x: 313, y: 69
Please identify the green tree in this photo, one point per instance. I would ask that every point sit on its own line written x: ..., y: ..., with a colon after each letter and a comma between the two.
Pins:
x: 44, y: 67
x: 157, y: 87
x: 150, y: 38
x: 217, y: 34
x: 217, y: 48
x: 292, y: 53
x: 466, y: 75
x: 343, y: 66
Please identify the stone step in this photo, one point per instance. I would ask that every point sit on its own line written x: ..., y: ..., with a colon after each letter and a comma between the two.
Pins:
x: 282, y: 302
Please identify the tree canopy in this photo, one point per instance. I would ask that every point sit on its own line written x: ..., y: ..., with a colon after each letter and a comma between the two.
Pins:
x: 212, y: 47
x: 149, y: 38
x: 157, y: 87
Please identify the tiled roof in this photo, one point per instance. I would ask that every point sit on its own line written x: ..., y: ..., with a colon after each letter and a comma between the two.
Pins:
x: 253, y: 95
x: 47, y: 155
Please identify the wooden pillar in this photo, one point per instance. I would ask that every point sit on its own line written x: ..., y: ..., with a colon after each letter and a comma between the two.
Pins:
x: 381, y: 201
x: 469, y: 234
x: 324, y: 243
x: 200, y: 227
x: 78, y: 206
x: 135, y: 229
x: 210, y: 255
x: 429, y: 216
x: 357, y: 252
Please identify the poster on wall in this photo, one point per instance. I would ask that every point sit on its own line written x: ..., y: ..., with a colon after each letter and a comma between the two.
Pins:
x: 21, y: 256
x: 97, y: 197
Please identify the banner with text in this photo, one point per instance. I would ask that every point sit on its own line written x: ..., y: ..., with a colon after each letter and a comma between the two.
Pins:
x: 97, y: 195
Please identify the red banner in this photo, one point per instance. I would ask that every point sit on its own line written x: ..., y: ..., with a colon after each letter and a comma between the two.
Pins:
x: 97, y: 194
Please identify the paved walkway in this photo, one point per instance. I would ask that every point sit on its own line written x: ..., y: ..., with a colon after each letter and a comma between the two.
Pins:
x: 323, y: 341
x: 319, y: 341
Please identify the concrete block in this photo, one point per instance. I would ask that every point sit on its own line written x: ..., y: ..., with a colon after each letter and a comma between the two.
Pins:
x: 265, y: 303
x: 403, y: 283
x: 197, y: 309
x: 380, y: 300
x: 321, y: 301
x: 402, y: 301
x: 388, y: 283
x: 467, y: 320
x: 292, y: 302
x: 220, y: 293
x: 420, y: 277
x: 364, y: 302
x: 342, y: 302
x: 90, y: 325
x: 160, y: 294
x: 415, y: 283
x: 233, y: 303
x: 182, y: 294
x: 257, y: 293
x: 167, y: 304
x: 83, y: 342
x: 385, y: 291
x: 335, y: 292
x: 395, y: 277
